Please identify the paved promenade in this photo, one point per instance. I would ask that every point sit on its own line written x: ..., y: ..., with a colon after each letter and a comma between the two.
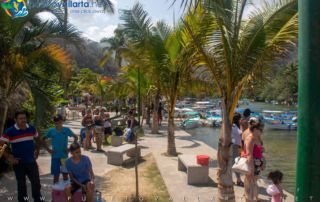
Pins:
x: 175, y: 180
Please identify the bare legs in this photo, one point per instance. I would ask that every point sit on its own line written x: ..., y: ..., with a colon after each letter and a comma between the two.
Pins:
x: 251, y: 188
x: 89, y: 192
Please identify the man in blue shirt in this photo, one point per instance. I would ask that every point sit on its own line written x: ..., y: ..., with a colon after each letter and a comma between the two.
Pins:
x: 21, y: 136
x: 59, y: 140
x: 81, y: 174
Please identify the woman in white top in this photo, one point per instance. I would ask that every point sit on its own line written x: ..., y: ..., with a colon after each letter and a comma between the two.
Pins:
x: 237, y: 143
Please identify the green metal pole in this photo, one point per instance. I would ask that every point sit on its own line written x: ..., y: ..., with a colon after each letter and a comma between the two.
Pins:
x: 308, y: 146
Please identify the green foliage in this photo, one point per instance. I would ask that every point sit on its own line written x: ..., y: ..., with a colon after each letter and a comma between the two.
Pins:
x: 234, y: 50
x: 30, y: 60
x: 284, y: 86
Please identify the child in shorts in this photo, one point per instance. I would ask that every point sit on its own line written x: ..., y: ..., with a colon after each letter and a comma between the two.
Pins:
x: 59, y: 152
x: 81, y: 174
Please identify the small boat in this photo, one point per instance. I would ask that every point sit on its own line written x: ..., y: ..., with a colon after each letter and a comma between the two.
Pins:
x: 181, y: 112
x: 214, y: 118
x: 192, y: 120
x: 280, y: 120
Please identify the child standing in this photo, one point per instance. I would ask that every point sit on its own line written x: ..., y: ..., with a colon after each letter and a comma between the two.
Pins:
x: 59, y: 139
x: 275, y: 190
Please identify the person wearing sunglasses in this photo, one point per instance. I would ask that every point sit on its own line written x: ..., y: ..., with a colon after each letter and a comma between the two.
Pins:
x: 59, y: 152
x: 253, y: 151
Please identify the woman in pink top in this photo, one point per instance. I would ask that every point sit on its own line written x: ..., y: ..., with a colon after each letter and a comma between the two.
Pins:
x: 275, y: 190
x: 253, y: 151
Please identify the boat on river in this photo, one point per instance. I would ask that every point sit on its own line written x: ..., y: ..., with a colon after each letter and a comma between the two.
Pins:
x: 214, y: 118
x: 280, y: 120
x: 192, y: 120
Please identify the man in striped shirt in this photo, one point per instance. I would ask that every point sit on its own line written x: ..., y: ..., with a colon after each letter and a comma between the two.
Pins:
x: 22, y: 137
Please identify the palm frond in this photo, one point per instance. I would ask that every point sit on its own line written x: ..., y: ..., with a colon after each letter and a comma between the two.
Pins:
x: 137, y: 25
x: 107, y: 5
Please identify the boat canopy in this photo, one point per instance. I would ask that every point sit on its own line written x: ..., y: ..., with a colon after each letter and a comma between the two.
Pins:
x: 272, y: 112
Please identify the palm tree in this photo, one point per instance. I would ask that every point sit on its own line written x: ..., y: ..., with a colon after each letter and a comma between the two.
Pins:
x: 113, y: 45
x: 163, y: 55
x: 141, y: 50
x: 234, y: 50
x: 24, y: 40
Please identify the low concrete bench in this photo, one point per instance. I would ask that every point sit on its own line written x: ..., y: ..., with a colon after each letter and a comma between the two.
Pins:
x: 116, y: 140
x: 115, y: 155
x: 196, y: 174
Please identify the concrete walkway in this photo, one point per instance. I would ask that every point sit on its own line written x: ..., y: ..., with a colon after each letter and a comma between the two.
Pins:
x: 175, y: 180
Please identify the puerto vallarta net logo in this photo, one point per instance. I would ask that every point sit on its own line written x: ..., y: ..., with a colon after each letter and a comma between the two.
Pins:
x: 15, y: 8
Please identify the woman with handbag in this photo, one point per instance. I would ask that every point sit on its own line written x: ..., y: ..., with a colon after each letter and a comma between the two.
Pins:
x: 236, y: 144
x: 253, y: 151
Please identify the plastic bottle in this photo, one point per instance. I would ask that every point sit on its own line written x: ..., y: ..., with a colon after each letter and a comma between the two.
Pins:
x: 98, y: 197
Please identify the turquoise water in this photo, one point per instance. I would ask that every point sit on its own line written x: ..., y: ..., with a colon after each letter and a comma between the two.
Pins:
x: 280, y: 146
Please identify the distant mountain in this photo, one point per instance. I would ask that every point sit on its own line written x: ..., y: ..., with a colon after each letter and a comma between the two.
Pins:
x: 89, y: 56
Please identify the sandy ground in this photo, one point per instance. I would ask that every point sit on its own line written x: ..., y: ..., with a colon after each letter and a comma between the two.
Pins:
x: 120, y: 183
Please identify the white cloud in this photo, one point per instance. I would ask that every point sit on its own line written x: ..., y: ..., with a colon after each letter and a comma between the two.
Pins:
x: 96, y: 33
x: 46, y: 16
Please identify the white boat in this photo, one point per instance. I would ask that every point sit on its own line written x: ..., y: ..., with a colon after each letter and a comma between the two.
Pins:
x: 181, y: 112
x: 281, y: 125
x: 214, y: 118
x: 192, y: 120
x: 280, y: 120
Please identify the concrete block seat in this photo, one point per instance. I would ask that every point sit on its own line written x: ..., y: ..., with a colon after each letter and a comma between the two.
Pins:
x: 196, y: 174
x: 116, y: 140
x: 115, y: 155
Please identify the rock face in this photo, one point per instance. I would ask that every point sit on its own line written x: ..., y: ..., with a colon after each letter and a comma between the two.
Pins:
x: 89, y: 57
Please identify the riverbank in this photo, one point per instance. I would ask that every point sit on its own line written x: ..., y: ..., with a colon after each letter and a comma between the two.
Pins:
x: 176, y: 181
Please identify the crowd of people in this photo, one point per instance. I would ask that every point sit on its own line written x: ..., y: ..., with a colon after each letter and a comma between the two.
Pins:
x: 247, y: 142
x: 97, y: 128
x: 26, y: 142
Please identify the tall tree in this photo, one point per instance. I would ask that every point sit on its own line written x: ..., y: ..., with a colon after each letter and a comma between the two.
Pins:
x: 137, y: 31
x: 113, y: 45
x: 24, y: 40
x: 164, y: 56
x: 234, y: 50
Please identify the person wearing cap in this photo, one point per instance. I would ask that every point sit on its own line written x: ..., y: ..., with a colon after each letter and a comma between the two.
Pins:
x: 25, y: 145
x: 59, y: 152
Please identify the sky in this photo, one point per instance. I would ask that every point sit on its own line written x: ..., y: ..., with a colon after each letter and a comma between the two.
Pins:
x: 98, y: 25
x: 95, y: 25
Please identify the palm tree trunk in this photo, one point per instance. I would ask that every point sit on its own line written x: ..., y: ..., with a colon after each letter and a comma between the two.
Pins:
x: 155, y: 121
x: 4, y: 90
x: 224, y: 157
x: 65, y: 83
x: 4, y: 111
x: 148, y: 117
x: 171, y: 150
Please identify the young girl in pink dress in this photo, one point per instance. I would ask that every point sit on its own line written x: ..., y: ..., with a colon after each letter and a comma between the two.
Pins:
x: 275, y: 190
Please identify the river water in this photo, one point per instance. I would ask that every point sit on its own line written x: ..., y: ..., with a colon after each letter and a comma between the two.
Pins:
x: 280, y: 146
